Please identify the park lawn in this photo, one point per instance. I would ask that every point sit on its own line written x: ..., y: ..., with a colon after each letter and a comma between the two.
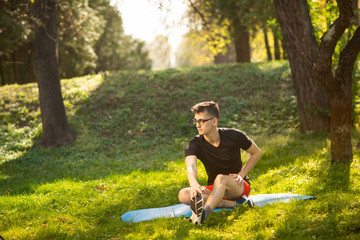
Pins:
x: 132, y: 128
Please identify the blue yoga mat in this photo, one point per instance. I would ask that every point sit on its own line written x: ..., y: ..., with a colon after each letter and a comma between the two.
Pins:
x: 179, y: 210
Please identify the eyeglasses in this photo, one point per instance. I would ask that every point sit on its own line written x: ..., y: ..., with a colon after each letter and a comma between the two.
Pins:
x: 201, y: 122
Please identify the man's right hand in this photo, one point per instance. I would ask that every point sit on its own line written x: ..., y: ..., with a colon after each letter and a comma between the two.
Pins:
x: 196, y: 189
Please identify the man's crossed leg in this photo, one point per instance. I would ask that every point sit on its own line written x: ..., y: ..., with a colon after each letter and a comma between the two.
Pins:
x: 227, y: 192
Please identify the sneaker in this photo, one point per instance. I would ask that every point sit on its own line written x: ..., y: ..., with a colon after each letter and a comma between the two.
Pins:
x: 250, y: 202
x: 243, y: 199
x: 197, y: 208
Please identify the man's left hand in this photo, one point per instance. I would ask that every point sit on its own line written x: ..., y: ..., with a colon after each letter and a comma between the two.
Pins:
x: 238, y: 179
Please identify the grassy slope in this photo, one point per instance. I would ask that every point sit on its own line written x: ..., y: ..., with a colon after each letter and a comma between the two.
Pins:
x: 132, y: 130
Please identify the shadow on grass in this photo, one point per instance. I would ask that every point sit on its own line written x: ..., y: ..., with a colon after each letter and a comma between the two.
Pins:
x: 40, y: 166
x: 333, y: 215
x: 284, y: 150
x: 116, y: 135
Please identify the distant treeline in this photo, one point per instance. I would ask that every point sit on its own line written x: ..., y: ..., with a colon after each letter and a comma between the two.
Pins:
x: 90, y: 39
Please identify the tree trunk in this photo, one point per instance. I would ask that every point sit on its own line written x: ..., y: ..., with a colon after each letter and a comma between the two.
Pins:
x: 340, y: 86
x: 267, y: 46
x: 355, y: 6
x: 56, y: 129
x: 341, y: 102
x: 284, y: 53
x: 301, y: 47
x: 341, y: 147
x: 2, y: 82
x: 276, y: 45
x: 241, y: 41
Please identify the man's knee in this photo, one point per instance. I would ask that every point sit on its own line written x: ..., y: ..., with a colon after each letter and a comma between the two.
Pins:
x: 184, y: 196
x: 220, y: 179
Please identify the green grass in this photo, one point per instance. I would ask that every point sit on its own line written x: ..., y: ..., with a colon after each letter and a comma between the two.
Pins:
x: 132, y: 128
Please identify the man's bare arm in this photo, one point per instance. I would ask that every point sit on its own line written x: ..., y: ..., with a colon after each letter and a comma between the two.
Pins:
x: 255, y: 154
x: 191, y: 170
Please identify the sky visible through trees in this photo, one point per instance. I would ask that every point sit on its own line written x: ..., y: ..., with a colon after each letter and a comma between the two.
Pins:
x: 170, y: 21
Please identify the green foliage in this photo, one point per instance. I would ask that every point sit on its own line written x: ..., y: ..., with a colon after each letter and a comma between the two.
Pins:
x: 132, y: 129
x: 114, y: 49
x: 80, y: 27
x: 90, y: 39
x: 14, y: 30
x: 214, y: 27
x: 193, y: 51
x: 15, y: 42
x: 219, y: 19
x: 323, y: 14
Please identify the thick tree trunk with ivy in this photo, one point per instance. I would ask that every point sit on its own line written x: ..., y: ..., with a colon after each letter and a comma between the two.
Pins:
x: 56, y: 129
x: 301, y: 47
x: 339, y: 85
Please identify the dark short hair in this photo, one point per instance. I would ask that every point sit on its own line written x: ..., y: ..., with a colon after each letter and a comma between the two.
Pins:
x: 210, y: 106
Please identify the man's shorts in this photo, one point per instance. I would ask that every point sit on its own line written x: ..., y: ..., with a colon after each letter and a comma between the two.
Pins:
x: 246, y: 188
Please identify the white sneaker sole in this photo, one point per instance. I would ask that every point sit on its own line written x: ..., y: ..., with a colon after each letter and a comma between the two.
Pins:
x: 197, y: 207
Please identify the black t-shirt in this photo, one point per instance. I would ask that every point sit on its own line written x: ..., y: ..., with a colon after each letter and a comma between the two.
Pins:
x: 225, y: 158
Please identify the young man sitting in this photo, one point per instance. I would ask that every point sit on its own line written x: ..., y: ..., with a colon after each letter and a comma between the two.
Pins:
x: 219, y: 150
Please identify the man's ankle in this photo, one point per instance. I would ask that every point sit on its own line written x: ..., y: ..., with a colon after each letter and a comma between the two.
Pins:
x: 239, y: 201
x: 206, y: 213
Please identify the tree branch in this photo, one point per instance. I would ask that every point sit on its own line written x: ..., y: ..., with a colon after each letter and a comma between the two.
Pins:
x: 201, y: 16
x: 328, y: 43
x: 348, y: 55
x: 204, y: 22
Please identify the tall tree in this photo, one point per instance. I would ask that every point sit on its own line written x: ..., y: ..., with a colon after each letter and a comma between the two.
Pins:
x: 108, y: 48
x: 56, y: 129
x: 242, y: 17
x: 115, y: 50
x: 79, y: 27
x: 241, y: 40
x: 301, y: 47
x: 215, y: 14
x: 15, y: 43
x: 338, y: 85
x: 264, y: 17
x: 276, y: 44
x: 85, y: 44
x: 266, y: 41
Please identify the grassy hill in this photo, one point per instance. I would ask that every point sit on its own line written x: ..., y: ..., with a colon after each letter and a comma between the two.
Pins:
x: 132, y: 128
